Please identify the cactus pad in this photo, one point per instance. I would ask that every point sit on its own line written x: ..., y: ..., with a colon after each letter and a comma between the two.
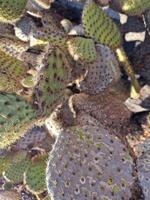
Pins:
x: 101, y: 73
x: 134, y: 7
x: 13, y: 47
x: 82, y: 49
x: 35, y: 176
x: 10, y: 10
x: 52, y: 81
x: 17, y: 168
x: 16, y: 116
x: 87, y: 163
x: 100, y: 26
x: 12, y: 71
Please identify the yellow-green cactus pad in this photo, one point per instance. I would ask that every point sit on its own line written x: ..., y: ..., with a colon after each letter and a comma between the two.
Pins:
x: 11, y: 10
x: 35, y: 176
x: 16, y: 170
x: 134, y: 7
x: 52, y: 81
x: 16, y: 116
x: 4, y: 163
x: 100, y: 26
x: 13, y: 47
x: 12, y: 71
x: 82, y: 49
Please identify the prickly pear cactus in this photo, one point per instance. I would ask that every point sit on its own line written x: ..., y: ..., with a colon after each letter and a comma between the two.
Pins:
x: 82, y: 49
x: 16, y: 117
x: 132, y: 7
x: 102, y: 73
x: 52, y: 81
x: 100, y: 26
x: 14, y: 173
x: 10, y: 10
x: 35, y: 176
x: 13, y: 47
x: 96, y: 165
x: 12, y: 72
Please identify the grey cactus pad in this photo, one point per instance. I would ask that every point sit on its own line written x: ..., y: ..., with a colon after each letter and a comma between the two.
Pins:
x: 103, y: 72
x: 88, y: 163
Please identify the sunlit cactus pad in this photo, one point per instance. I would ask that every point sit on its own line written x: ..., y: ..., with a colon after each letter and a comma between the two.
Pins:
x: 52, y: 81
x: 16, y: 116
x: 10, y: 10
x: 96, y: 165
x: 13, y: 47
x: 100, y: 26
x: 133, y: 7
x: 82, y: 49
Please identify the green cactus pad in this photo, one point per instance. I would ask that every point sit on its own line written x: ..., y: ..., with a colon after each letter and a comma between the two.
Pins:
x: 134, y: 7
x: 100, y: 26
x: 16, y: 116
x: 4, y: 163
x: 35, y: 176
x: 52, y: 81
x: 12, y: 71
x: 17, y: 168
x: 11, y: 10
x: 82, y: 49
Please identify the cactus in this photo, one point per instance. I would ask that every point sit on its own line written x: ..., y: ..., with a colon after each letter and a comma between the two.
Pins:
x: 132, y: 7
x: 12, y: 72
x: 82, y: 163
x: 82, y: 49
x: 35, y: 176
x: 13, y: 47
x: 98, y: 25
x: 16, y: 116
x: 102, y: 73
x: 17, y: 168
x: 4, y: 163
x: 52, y: 81
x: 10, y: 10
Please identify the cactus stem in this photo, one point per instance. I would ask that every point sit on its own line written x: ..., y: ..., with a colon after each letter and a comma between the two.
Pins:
x: 129, y: 70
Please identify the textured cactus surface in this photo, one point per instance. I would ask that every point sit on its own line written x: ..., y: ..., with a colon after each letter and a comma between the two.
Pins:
x: 16, y: 116
x: 82, y: 49
x: 12, y: 71
x: 134, y: 7
x: 52, y: 81
x: 13, y: 47
x: 17, y: 168
x: 10, y: 10
x: 101, y: 73
x: 35, y: 176
x: 87, y: 163
x: 100, y: 26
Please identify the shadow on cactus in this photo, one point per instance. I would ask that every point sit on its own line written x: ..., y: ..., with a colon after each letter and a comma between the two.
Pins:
x: 99, y: 26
